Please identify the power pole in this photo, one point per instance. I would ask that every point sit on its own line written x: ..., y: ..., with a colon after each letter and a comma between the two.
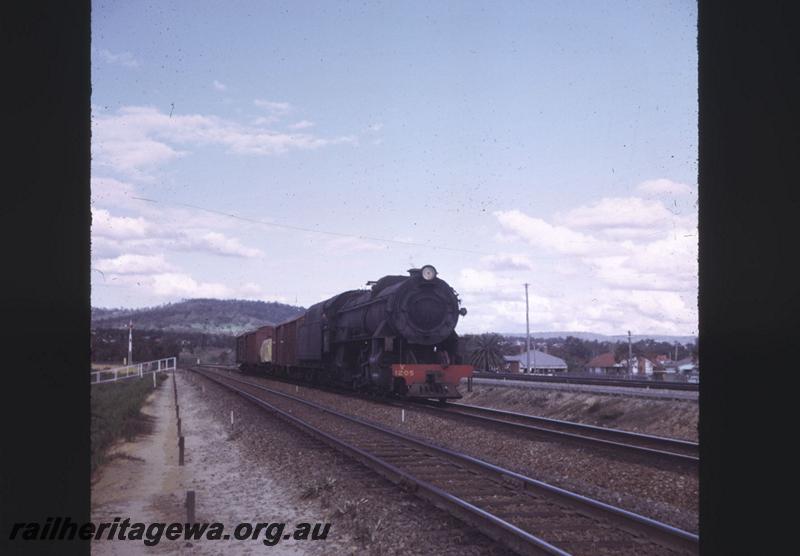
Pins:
x: 130, y: 343
x: 676, y: 350
x: 527, y: 331
x: 630, y: 353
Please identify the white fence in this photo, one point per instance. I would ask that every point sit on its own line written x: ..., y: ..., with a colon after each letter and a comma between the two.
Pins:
x: 140, y: 369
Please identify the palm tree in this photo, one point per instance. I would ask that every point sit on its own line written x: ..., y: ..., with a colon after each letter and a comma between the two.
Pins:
x: 487, y: 354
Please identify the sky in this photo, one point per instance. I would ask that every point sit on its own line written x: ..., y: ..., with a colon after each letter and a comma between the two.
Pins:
x: 289, y: 151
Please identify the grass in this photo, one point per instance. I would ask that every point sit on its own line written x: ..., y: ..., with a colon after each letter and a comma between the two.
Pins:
x: 116, y: 413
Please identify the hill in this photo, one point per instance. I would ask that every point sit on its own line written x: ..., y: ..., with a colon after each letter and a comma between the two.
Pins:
x: 209, y: 316
x: 606, y: 338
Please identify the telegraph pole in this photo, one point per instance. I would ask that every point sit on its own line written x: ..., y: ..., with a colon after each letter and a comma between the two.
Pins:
x: 527, y: 331
x: 630, y: 353
x: 130, y: 343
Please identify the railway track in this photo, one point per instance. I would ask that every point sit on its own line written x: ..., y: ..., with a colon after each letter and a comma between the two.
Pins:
x: 627, y: 383
x: 668, y: 453
x: 528, y: 516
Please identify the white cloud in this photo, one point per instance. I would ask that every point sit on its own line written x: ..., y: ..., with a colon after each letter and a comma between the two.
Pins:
x: 540, y: 233
x: 663, y: 187
x: 274, y: 108
x: 220, y: 244
x: 137, y: 138
x: 302, y: 124
x: 174, y: 284
x: 122, y: 59
x: 218, y: 86
x: 614, y: 264
x: 119, y: 235
x: 498, y: 304
x: 110, y: 192
x: 342, y: 245
x: 134, y: 264
x: 473, y: 280
x: 620, y: 218
x: 118, y: 227
x: 508, y: 261
x: 264, y: 120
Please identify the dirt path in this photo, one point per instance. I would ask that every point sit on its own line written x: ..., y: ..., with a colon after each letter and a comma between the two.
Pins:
x: 142, y: 479
x: 143, y: 482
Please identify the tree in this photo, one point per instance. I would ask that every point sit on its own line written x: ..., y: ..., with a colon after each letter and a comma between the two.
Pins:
x: 487, y: 353
x: 621, y: 352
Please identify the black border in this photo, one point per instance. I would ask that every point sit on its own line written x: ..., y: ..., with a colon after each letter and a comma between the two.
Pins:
x: 45, y: 216
x: 748, y: 200
x: 749, y: 204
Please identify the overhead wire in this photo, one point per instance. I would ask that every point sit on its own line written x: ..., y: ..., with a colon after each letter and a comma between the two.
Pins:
x: 313, y: 230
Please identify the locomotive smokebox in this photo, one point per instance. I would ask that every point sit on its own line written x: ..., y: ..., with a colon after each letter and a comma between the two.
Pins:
x: 425, y: 309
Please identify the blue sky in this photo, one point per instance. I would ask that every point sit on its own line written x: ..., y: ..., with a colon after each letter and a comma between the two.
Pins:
x: 547, y: 142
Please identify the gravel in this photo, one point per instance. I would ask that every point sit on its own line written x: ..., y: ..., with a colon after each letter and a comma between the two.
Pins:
x: 667, y: 496
x: 672, y: 418
x: 627, y: 391
x: 369, y: 515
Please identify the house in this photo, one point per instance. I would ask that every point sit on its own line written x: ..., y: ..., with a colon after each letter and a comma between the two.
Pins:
x: 606, y: 364
x: 687, y: 365
x: 640, y: 365
x: 540, y: 363
x: 682, y: 366
x: 645, y: 366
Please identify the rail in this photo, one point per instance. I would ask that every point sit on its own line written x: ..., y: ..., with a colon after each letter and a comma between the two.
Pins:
x: 505, y: 505
x: 659, y: 448
x: 654, y: 449
x: 594, y: 381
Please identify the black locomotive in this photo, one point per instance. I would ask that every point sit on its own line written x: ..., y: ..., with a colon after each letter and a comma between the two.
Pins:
x: 398, y: 336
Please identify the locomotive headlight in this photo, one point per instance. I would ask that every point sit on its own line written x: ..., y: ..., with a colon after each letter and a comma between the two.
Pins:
x: 428, y: 272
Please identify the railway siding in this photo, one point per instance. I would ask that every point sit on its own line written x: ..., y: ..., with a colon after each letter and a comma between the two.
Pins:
x: 635, y: 391
x: 579, y: 531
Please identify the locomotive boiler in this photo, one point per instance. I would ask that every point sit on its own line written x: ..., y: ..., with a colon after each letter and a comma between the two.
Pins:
x: 397, y: 336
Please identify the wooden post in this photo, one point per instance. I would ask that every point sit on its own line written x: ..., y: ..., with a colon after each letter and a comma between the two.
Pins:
x: 402, y: 415
x: 154, y: 381
x: 190, y: 499
x: 180, y: 450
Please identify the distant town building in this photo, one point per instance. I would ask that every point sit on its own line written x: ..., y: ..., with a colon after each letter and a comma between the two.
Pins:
x: 683, y: 366
x: 645, y: 366
x: 541, y: 362
x: 606, y: 364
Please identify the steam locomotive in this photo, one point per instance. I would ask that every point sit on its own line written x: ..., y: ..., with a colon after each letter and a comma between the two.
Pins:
x: 396, y: 337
